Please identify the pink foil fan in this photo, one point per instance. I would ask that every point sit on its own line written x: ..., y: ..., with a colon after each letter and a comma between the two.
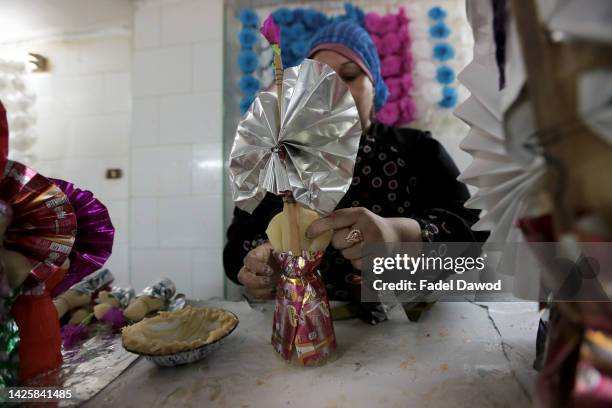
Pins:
x: 94, y: 238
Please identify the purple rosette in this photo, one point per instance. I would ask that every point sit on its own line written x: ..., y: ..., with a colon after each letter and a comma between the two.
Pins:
x: 94, y: 238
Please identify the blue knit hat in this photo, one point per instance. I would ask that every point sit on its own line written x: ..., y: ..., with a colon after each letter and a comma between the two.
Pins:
x: 355, y: 39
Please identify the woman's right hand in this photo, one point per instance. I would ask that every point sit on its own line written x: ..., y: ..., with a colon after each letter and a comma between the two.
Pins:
x: 260, y: 272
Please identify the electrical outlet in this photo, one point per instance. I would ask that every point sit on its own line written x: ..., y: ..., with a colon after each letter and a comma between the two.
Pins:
x: 114, y: 174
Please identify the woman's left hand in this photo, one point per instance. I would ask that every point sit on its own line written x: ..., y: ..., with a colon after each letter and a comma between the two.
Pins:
x: 373, y: 229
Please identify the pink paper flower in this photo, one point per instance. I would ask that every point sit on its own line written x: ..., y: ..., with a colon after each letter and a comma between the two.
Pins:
x: 391, y: 65
x: 408, y: 109
x: 392, y: 43
x: 407, y: 82
x: 271, y: 31
x: 395, y: 89
x: 390, y: 23
x: 389, y: 114
x: 114, y: 316
x: 373, y: 23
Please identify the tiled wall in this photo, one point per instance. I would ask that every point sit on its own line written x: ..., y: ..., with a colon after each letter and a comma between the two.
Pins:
x: 176, y: 216
x: 83, y: 107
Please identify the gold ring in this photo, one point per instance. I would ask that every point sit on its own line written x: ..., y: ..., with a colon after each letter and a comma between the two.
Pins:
x: 354, y: 237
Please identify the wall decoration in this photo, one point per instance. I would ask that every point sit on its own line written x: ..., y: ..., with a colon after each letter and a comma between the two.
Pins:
x: 389, y: 33
x: 19, y: 103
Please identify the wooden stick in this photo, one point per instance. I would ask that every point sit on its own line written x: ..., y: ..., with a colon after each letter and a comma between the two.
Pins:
x: 278, y: 74
x: 291, y: 207
x: 289, y: 204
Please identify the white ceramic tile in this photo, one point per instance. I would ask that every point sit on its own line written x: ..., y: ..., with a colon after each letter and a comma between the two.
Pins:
x: 149, y: 265
x: 147, y: 26
x: 162, y: 71
x: 118, y: 264
x: 207, y: 274
x: 118, y: 211
x: 117, y: 92
x: 207, y: 168
x: 109, y: 54
x: 159, y: 171
x: 192, y: 20
x: 143, y: 223
x: 145, y: 121
x: 98, y: 136
x: 81, y: 95
x: 191, y: 118
x: 208, y: 66
x: 89, y: 174
x: 190, y: 222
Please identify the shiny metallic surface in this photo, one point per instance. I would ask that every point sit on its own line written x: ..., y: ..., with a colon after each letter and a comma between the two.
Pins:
x: 310, y: 150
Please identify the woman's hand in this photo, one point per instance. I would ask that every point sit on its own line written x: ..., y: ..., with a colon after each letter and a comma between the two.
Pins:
x: 372, y: 227
x: 260, y: 272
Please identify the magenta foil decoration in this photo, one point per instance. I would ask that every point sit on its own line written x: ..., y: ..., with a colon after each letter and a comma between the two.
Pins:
x: 94, y: 239
x: 73, y: 334
x: 114, y: 316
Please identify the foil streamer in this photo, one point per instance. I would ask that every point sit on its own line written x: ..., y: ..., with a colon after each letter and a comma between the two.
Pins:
x: 94, y: 282
x: 94, y: 239
x: 87, y: 369
x: 302, y: 319
x: 43, y: 226
x: 310, y: 151
x: 123, y: 295
x: 163, y: 289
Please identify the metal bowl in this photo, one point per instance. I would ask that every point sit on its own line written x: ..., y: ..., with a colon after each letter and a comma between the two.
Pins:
x: 187, y: 356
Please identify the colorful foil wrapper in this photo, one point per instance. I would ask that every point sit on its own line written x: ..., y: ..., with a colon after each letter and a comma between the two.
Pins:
x: 163, y: 289
x: 94, y: 239
x: 43, y: 227
x: 302, y: 320
x: 123, y: 295
x: 310, y: 151
x: 94, y: 282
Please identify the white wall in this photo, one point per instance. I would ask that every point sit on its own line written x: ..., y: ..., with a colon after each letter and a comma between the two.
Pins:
x: 176, y: 217
x: 83, y: 106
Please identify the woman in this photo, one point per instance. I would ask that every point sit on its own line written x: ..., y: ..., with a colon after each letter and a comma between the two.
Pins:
x: 404, y: 187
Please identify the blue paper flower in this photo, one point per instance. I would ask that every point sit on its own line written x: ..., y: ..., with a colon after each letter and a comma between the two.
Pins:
x: 249, y: 84
x: 247, y: 37
x: 313, y: 19
x: 354, y: 13
x: 293, y: 32
x: 245, y: 102
x: 437, y: 13
x: 445, y: 74
x: 248, y: 18
x: 443, y: 52
x: 300, y: 49
x: 283, y: 16
x: 248, y: 61
x: 439, y: 30
x: 449, y: 97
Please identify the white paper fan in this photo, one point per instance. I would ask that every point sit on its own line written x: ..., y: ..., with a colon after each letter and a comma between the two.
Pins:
x: 505, y: 172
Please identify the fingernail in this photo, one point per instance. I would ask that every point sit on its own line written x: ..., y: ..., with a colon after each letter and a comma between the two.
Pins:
x: 269, y: 271
x: 265, y: 280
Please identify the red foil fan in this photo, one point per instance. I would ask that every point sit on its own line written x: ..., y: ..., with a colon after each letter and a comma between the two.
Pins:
x: 302, y: 320
x: 43, y: 226
x: 94, y: 238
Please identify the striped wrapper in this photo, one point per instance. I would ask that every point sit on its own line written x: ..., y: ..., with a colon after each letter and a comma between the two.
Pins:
x: 302, y: 324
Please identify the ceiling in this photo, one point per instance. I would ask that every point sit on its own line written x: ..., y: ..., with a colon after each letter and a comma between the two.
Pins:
x: 32, y: 19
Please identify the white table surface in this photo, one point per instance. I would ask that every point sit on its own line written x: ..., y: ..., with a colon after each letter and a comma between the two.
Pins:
x: 457, y: 355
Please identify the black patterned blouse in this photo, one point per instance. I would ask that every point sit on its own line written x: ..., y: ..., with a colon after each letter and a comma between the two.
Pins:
x: 399, y: 172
